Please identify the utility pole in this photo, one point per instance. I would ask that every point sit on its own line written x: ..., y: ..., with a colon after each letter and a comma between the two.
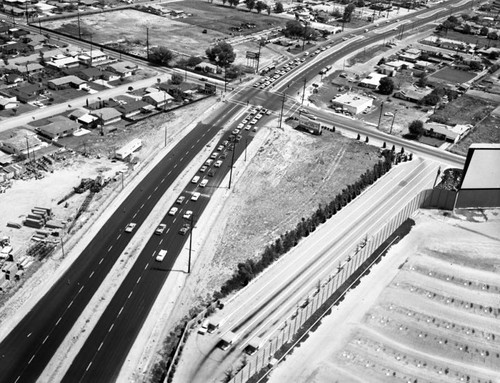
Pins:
x: 437, y: 176
x: 79, y: 30
x: 246, y: 144
x: 122, y: 180
x: 26, y: 12
x: 303, y: 91
x: 380, y: 116
x: 165, y: 133
x: 190, y: 241
x: 258, y: 57
x: 27, y: 147
x: 282, y: 107
x: 147, y: 43
x: 62, y: 245
x: 392, y: 123
x: 232, y: 163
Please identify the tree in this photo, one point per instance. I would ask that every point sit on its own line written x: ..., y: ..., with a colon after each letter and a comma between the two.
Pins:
x: 416, y: 128
x: 386, y: 85
x: 250, y: 4
x: 176, y: 79
x: 193, y: 61
x: 348, y: 10
x: 161, y: 55
x: 278, y: 7
x: 493, y: 55
x: 234, y: 3
x: 430, y: 99
x: 475, y: 66
x: 493, y: 35
x: 467, y: 29
x: 260, y: 6
x: 484, y: 31
x: 222, y: 54
x: 422, y: 81
x: 294, y: 28
x: 381, y: 61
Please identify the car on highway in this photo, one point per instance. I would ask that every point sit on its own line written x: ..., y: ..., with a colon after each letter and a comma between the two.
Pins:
x: 195, y: 196
x: 214, y: 155
x: 211, y: 173
x: 160, y: 229
x: 173, y: 211
x: 208, y: 163
x: 180, y: 200
x: 253, y: 122
x: 184, y: 229
x: 248, y: 127
x: 256, y: 85
x: 195, y: 179
x: 203, y: 183
x: 188, y: 214
x: 130, y: 227
x: 345, y: 38
x: 238, y: 138
x: 235, y: 131
x: 258, y: 117
x: 220, y: 148
x: 161, y: 255
x: 203, y: 168
x: 225, y: 142
x: 218, y: 164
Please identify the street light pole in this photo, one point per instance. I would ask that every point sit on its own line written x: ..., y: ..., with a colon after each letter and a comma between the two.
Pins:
x: 303, y: 91
x: 282, y: 107
x: 190, y: 242
x: 232, y: 163
x: 380, y: 116
x: 393, y: 118
x: 246, y: 144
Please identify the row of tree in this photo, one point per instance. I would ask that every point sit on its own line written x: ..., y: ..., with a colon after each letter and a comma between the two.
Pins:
x: 247, y: 270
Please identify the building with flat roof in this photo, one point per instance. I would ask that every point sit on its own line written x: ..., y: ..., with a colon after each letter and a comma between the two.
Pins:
x: 372, y: 81
x: 19, y: 141
x: 127, y: 150
x: 352, y: 102
x: 480, y: 185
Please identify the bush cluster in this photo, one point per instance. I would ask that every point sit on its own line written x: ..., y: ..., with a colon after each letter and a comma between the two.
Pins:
x: 248, y: 270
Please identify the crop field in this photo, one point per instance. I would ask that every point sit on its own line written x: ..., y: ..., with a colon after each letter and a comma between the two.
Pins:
x: 453, y: 76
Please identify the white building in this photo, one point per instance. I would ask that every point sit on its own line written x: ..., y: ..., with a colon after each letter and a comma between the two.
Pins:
x: 352, y: 102
x: 128, y: 149
x: 372, y: 81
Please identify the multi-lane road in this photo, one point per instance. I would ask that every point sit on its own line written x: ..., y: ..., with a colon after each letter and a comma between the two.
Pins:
x: 262, y: 308
x: 30, y: 346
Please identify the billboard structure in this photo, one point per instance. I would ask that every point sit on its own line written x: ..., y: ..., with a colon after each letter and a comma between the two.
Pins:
x: 253, y: 59
x: 480, y: 186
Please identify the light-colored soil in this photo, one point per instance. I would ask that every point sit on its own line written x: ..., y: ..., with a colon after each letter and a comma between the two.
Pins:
x: 428, y: 312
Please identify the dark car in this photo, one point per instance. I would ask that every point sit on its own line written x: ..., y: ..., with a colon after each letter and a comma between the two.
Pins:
x: 184, y: 229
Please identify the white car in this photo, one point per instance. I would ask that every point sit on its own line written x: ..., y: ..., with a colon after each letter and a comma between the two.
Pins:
x: 258, y: 117
x: 203, y: 183
x: 130, y: 227
x: 214, y: 155
x: 160, y: 229
x: 161, y: 255
x: 254, y: 121
x: 389, y: 114
x: 195, y: 179
x: 173, y: 211
x: 218, y: 164
x: 187, y: 214
x: 195, y: 196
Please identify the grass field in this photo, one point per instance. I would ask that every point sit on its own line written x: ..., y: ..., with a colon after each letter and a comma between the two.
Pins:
x: 482, y: 41
x: 485, y: 132
x: 453, y: 76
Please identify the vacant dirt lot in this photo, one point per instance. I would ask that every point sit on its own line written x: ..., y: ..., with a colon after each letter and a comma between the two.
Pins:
x: 427, y: 313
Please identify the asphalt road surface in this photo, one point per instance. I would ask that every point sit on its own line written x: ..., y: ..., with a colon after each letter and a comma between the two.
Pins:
x: 261, y: 309
x: 29, y: 347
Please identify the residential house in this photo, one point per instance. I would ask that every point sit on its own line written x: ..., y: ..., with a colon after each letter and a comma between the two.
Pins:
x: 110, y: 76
x: 423, y: 65
x: 131, y: 108
x: 206, y: 67
x: 19, y: 141
x: 122, y: 68
x: 387, y: 70
x: 93, y: 57
x: 16, y: 47
x: 66, y: 82
x: 17, y: 33
x: 59, y: 127
x: 14, y: 78
x: 447, y: 133
x: 8, y: 103
x: 410, y: 55
x: 158, y: 99
x: 31, y: 68
x: 372, y: 81
x: 88, y: 121
x: 27, y: 93
x: 412, y: 94
x: 90, y: 74
x: 107, y: 115
x: 63, y: 62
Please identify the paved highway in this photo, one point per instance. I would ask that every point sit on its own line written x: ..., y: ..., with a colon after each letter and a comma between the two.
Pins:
x: 262, y: 308
x: 29, y: 347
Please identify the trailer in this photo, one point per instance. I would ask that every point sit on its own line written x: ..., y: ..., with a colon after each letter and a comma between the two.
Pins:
x: 227, y: 340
